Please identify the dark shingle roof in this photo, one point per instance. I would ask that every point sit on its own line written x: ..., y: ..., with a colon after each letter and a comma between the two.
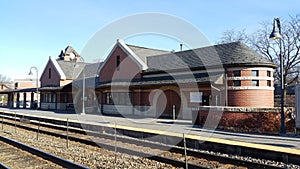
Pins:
x: 203, y: 78
x: 143, y: 52
x: 70, y: 69
x: 225, y: 55
x: 91, y: 70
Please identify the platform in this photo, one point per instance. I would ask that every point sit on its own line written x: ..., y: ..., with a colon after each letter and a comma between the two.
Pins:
x: 284, y: 144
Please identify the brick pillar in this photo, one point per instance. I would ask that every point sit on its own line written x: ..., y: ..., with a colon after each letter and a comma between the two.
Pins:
x: 8, y: 100
x: 24, y: 100
x: 31, y: 100
x: 12, y: 99
x: 18, y: 100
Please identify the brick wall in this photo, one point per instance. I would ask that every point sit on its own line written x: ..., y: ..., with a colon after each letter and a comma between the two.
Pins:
x: 246, y: 94
x: 257, y: 120
x: 128, y: 69
x: 251, y: 98
x: 54, y: 79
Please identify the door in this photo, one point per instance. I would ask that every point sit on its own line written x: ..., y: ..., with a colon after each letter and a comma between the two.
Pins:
x: 166, y: 102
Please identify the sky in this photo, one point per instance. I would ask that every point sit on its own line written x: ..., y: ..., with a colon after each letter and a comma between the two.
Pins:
x: 33, y: 30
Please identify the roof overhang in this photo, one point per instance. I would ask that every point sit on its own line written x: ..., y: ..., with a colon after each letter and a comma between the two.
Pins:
x: 18, y: 90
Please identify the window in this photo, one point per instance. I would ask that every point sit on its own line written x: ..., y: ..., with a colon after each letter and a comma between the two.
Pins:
x: 66, y: 98
x: 255, y: 73
x: 269, y: 73
x: 49, y: 98
x: 53, y: 97
x: 237, y: 73
x: 119, y: 98
x: 46, y: 97
x: 269, y: 83
x: 237, y: 83
x: 49, y: 73
x: 42, y: 97
x: 196, y: 97
x: 255, y: 83
x: 109, y: 99
x: 118, y: 62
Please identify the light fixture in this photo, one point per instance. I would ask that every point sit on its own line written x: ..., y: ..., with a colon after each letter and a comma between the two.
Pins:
x: 276, y: 35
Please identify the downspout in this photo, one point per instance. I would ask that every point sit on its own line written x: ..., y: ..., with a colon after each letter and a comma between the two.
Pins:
x: 226, y: 88
x: 217, y: 89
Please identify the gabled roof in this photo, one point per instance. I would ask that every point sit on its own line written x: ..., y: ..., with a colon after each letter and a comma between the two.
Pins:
x: 120, y: 43
x: 143, y: 52
x: 226, y: 55
x: 70, y: 69
x: 67, y: 52
x: 69, y: 49
x: 66, y: 69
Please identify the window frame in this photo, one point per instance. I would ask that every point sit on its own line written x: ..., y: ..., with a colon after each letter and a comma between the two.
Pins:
x: 268, y: 73
x: 237, y: 83
x: 255, y: 73
x: 269, y: 83
x: 236, y: 73
x: 256, y: 84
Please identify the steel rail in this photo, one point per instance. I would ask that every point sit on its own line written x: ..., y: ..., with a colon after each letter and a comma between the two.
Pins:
x: 3, y: 166
x: 45, y: 155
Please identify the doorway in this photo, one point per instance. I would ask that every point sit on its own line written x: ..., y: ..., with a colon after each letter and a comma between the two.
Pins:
x: 166, y: 102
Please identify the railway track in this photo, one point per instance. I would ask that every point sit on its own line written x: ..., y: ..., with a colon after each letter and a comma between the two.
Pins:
x: 162, y: 153
x: 15, y: 154
x: 12, y: 157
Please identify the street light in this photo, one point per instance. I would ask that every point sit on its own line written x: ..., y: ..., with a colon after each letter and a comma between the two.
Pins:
x: 37, y: 83
x: 83, y: 93
x: 83, y: 85
x: 276, y: 35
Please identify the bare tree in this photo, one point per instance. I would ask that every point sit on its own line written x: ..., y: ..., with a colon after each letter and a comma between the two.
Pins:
x: 260, y: 42
x: 233, y: 36
x: 4, y: 79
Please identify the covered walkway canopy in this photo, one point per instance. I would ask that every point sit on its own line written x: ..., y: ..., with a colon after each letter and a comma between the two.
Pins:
x: 11, y: 97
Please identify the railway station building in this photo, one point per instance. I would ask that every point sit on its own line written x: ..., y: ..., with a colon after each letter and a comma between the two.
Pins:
x: 148, y: 82
x: 141, y: 81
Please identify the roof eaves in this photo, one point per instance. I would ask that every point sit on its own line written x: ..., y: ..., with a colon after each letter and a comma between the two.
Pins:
x: 58, y: 68
x: 142, y: 65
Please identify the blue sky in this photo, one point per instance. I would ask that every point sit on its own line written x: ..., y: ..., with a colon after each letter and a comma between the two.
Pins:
x: 33, y: 30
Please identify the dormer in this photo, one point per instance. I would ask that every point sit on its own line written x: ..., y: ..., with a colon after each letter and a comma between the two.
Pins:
x: 69, y: 54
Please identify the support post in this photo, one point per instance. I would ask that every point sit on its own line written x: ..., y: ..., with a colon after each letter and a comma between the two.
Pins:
x: 185, y: 154
x: 67, y: 132
x: 174, y: 112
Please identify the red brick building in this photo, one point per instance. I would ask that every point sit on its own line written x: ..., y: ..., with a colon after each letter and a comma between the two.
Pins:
x: 141, y: 81
x: 56, y: 80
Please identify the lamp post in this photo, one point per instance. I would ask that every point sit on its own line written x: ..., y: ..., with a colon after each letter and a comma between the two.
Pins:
x: 83, y: 93
x: 37, y: 83
x: 83, y: 85
x: 276, y: 35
